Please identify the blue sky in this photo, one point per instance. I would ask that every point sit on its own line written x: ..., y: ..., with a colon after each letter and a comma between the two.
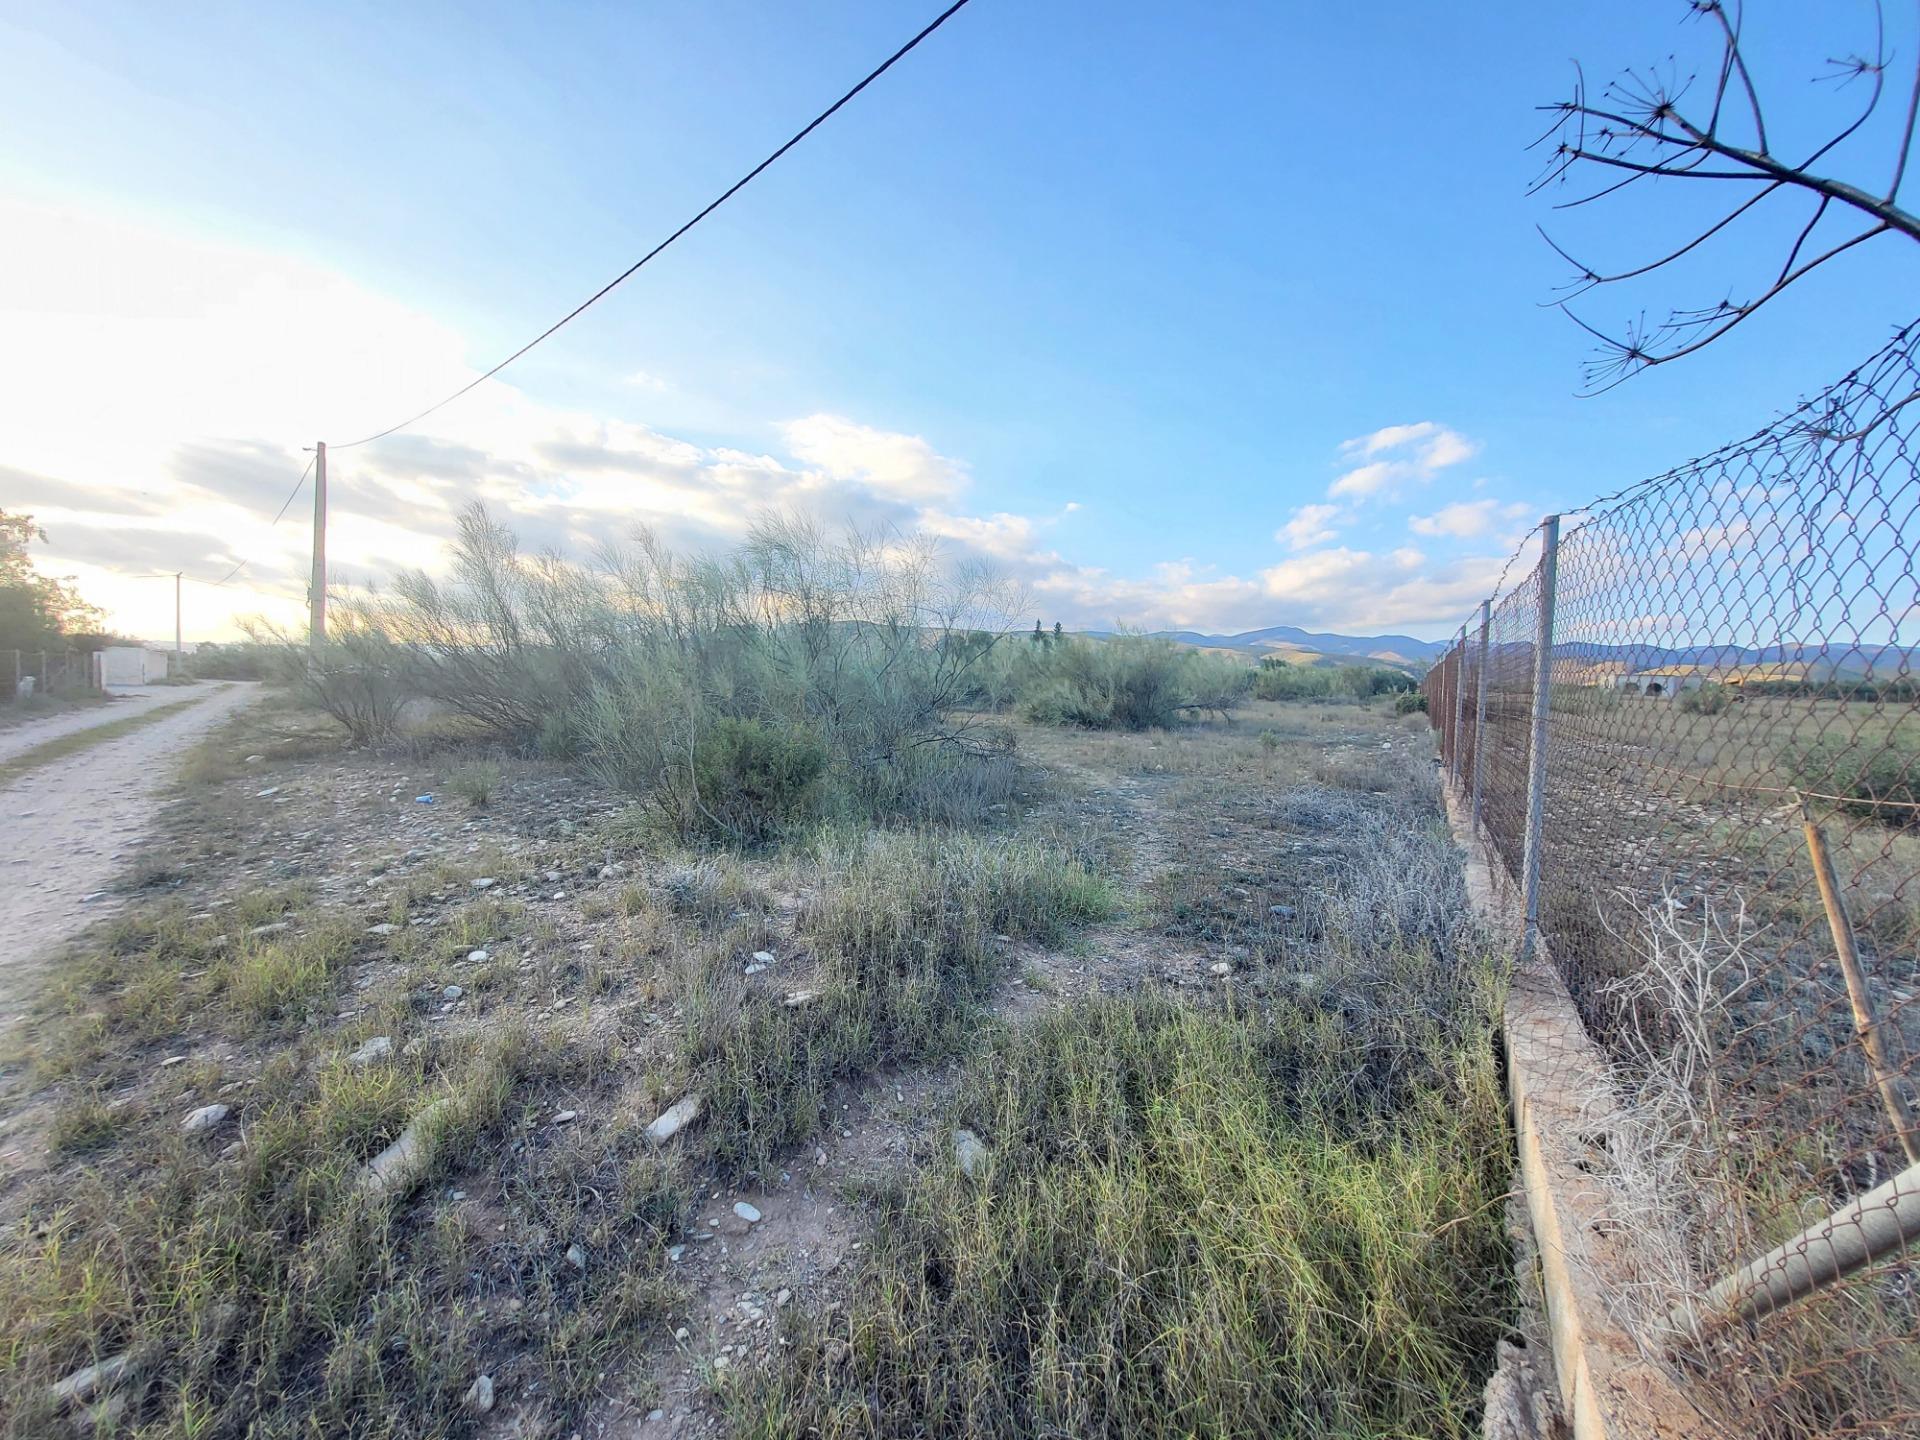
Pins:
x: 1110, y: 292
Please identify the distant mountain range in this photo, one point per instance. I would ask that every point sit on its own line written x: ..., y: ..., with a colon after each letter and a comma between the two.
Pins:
x: 1308, y: 647
x: 1833, y: 661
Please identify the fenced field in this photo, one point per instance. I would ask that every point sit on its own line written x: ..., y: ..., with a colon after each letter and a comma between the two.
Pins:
x: 53, y: 672
x: 1689, y: 736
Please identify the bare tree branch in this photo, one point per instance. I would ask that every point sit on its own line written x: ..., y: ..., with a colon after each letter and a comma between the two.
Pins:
x: 1639, y: 129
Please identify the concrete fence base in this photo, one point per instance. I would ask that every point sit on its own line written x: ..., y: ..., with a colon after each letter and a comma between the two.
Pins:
x: 1563, y: 1107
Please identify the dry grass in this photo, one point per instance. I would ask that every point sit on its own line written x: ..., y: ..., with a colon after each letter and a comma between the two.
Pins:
x: 1198, y: 1217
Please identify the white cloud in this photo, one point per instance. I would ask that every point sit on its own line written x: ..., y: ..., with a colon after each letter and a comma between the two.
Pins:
x: 1309, y: 525
x: 182, y: 392
x: 1463, y: 519
x: 1371, y: 479
x: 1415, y: 452
x: 1389, y: 437
x: 903, y: 466
x: 1467, y: 519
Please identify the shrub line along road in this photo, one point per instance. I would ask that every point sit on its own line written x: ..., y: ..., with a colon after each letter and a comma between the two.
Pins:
x: 66, y: 824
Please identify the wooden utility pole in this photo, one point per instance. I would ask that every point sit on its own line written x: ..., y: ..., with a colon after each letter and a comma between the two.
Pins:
x: 317, y: 595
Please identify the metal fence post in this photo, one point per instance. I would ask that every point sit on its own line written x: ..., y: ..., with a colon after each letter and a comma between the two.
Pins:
x: 1480, y: 715
x: 1537, y: 745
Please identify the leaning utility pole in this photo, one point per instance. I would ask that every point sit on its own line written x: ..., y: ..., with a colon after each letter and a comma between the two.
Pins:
x: 317, y: 594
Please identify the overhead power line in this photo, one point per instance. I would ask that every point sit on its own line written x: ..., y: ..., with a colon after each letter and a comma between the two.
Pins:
x: 298, y: 486
x: 712, y: 206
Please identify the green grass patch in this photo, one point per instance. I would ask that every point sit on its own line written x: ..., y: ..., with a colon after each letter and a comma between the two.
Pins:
x: 1188, y: 1222
x: 904, y: 931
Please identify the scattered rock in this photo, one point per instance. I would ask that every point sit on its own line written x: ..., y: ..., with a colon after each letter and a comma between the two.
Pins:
x: 270, y: 790
x: 399, y: 1167
x: 564, y: 1117
x: 746, y: 1212
x: 800, y: 997
x: 676, y: 1117
x: 969, y: 1152
x: 379, y: 1048
x: 765, y: 957
x: 576, y: 1257
x: 479, y: 1396
x: 755, y: 969
x: 1220, y: 967
x: 382, y: 929
x: 453, y: 992
x: 173, y: 1060
x: 1281, y: 912
x: 89, y: 1380
x: 91, y: 896
x: 274, y: 928
x: 204, y: 1119
x: 485, y: 882
x: 253, y: 760
x: 479, y: 957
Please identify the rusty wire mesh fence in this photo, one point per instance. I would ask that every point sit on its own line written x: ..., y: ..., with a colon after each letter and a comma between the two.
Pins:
x: 1730, y: 708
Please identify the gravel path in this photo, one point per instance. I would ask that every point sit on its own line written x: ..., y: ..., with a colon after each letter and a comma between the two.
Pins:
x: 65, y: 825
x: 17, y: 739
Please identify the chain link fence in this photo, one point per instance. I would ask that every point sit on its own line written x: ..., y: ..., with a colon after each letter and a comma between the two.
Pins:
x: 25, y: 674
x: 1726, y: 875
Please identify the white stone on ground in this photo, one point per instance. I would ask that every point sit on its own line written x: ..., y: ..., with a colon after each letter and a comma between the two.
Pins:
x: 204, y: 1119
x: 675, y: 1118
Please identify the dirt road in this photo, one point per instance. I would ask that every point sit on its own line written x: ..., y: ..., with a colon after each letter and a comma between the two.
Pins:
x: 64, y: 826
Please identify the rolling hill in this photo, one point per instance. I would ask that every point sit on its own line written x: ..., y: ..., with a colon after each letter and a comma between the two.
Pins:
x: 1308, y: 647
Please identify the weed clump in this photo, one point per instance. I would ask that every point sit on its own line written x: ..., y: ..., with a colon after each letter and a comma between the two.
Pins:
x: 475, y: 782
x: 1188, y: 1222
x: 1874, y: 772
x: 905, y: 934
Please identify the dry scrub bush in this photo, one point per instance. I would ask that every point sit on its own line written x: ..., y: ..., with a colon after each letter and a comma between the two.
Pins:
x: 1129, y: 682
x: 800, y: 675
x: 358, y: 676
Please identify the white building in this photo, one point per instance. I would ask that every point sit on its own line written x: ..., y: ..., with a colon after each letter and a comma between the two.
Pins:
x: 126, y: 666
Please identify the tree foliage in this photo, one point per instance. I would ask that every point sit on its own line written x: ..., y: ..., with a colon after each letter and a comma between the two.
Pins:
x: 37, y: 612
